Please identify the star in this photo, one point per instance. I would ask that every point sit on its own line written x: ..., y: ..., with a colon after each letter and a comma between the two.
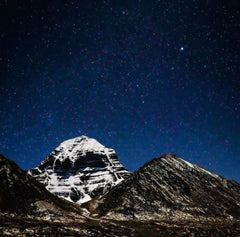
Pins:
x: 182, y: 48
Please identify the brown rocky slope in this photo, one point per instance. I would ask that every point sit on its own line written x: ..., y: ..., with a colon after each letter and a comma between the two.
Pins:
x: 170, y: 186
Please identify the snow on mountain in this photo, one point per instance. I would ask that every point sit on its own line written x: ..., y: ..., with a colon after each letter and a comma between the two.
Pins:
x: 80, y: 169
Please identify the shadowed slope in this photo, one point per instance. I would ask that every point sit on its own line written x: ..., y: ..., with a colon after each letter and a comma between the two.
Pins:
x: 21, y: 193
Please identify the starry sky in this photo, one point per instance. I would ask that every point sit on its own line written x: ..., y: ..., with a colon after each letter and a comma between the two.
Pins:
x: 143, y: 77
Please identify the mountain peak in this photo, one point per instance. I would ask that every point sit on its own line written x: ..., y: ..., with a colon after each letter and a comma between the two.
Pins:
x: 80, y: 139
x: 84, y: 143
x: 80, y: 169
x: 79, y: 146
x: 171, y: 186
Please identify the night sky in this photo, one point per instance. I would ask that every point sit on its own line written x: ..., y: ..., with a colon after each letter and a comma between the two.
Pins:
x: 142, y: 77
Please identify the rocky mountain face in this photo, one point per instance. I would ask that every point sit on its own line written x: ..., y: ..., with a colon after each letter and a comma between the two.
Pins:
x: 169, y: 187
x: 80, y: 169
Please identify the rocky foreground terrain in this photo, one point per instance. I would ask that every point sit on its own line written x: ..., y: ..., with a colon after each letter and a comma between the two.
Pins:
x: 167, y: 197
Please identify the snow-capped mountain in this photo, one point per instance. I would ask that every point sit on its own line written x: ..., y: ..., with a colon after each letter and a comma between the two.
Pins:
x: 80, y: 169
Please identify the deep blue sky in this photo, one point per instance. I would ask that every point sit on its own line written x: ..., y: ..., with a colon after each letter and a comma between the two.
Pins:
x: 142, y: 77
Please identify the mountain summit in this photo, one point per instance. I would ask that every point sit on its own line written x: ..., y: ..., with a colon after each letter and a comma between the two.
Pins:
x: 80, y: 169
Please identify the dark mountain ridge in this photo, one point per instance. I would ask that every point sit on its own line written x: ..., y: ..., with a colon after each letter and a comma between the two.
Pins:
x: 170, y: 187
x: 21, y: 193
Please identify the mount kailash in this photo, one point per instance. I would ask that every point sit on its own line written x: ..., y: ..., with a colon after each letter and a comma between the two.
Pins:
x: 80, y: 169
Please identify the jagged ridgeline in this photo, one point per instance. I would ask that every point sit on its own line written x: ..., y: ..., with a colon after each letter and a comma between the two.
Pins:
x: 80, y: 169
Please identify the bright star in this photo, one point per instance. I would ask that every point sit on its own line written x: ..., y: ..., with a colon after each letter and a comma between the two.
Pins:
x: 182, y: 48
